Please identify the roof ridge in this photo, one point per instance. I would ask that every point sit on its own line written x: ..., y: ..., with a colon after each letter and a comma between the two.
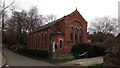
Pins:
x: 49, y: 24
x: 76, y: 10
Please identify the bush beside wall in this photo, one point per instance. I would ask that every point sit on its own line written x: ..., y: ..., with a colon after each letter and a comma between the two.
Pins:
x: 92, y: 50
x: 36, y: 53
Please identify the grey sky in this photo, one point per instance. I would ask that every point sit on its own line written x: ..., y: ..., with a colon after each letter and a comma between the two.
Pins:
x: 119, y: 15
x: 89, y: 9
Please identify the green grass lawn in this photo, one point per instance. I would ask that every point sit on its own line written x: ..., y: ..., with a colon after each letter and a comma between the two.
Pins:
x: 59, y: 61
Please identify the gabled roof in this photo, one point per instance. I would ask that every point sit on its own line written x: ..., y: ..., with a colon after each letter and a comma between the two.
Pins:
x: 57, y: 21
x: 76, y: 11
x: 49, y: 24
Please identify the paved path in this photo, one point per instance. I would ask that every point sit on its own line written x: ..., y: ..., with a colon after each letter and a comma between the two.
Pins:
x: 14, y: 59
x: 84, y: 62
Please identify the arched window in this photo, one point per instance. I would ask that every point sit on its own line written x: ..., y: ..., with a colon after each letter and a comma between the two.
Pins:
x: 55, y: 46
x: 42, y: 41
x: 39, y: 42
x: 36, y: 41
x: 71, y: 35
x: 45, y: 40
x: 76, y: 35
x: 81, y: 35
x: 32, y: 42
x: 60, y: 43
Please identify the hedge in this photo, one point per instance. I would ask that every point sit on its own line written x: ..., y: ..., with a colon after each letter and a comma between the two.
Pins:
x: 92, y: 50
x: 36, y: 53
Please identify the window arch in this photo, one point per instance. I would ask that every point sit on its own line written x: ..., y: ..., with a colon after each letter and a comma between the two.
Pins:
x: 71, y: 35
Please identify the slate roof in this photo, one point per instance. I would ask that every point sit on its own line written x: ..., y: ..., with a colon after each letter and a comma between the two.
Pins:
x: 49, y: 24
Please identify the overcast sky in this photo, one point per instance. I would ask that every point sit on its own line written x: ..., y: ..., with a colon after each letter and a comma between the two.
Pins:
x: 89, y: 9
x: 119, y: 9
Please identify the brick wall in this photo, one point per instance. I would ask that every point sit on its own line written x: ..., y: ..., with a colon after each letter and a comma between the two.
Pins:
x: 37, y: 41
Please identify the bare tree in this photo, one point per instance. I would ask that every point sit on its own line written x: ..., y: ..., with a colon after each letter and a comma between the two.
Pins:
x: 113, y: 50
x: 35, y: 20
x: 16, y: 26
x: 49, y: 18
x: 105, y: 25
x: 3, y: 8
x: 19, y: 24
x: 10, y: 33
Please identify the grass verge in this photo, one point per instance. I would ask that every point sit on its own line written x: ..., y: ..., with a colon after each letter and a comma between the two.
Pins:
x: 59, y: 61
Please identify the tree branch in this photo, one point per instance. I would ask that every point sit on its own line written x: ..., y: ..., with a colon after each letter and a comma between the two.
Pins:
x: 7, y: 6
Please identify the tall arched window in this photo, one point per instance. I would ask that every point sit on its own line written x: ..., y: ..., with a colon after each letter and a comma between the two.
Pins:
x: 35, y: 41
x: 76, y: 35
x: 81, y: 35
x: 39, y: 42
x: 71, y: 35
x: 42, y: 41
x: 32, y: 42
x: 45, y: 40
x: 60, y: 43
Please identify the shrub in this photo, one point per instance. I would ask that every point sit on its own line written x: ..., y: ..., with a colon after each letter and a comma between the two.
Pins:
x: 35, y: 53
x: 81, y: 48
x: 113, y: 51
x: 98, y: 50
x: 92, y: 50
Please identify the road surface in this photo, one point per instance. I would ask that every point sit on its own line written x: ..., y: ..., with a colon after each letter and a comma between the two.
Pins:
x: 14, y: 59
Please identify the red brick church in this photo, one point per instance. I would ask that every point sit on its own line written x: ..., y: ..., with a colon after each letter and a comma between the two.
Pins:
x: 60, y: 35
